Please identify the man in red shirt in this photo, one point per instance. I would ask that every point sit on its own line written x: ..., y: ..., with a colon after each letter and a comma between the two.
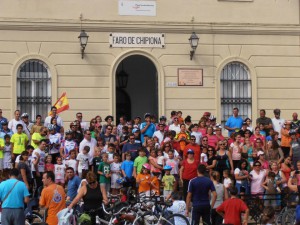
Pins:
x: 232, y: 209
x: 194, y: 146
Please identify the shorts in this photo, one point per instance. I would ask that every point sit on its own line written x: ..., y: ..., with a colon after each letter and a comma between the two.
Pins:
x: 167, y: 193
x: 62, y: 181
x: 106, y: 186
x: 114, y: 183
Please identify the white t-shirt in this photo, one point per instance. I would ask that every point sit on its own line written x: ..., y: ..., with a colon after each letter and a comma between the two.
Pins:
x: 55, y: 139
x: 237, y: 171
x: 198, y: 137
x: 83, y: 161
x: 160, y: 160
x: 277, y: 125
x: 71, y: 163
x: 58, y: 120
x: 59, y: 171
x: 257, y: 180
x: 84, y: 126
x: 159, y: 135
x: 41, y: 163
x: 203, y: 158
x: 227, y: 182
x: 12, y: 125
x: 92, y: 144
x: 175, y: 128
x: 166, y: 155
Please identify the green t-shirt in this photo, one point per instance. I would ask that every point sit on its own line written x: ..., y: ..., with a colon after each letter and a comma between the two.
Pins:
x: 168, y: 181
x: 19, y: 141
x: 104, y: 168
x: 37, y: 137
x: 2, y: 143
x: 139, y: 162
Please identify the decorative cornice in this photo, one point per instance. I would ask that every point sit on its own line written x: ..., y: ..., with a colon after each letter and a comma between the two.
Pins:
x: 150, y: 26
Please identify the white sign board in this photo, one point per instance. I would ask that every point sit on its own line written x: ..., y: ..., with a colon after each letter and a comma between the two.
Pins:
x: 137, y: 8
x: 136, y: 40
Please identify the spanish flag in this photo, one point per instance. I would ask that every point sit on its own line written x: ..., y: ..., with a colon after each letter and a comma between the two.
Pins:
x: 62, y: 103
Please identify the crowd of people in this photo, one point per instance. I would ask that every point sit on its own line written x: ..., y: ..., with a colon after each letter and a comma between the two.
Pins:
x: 160, y: 156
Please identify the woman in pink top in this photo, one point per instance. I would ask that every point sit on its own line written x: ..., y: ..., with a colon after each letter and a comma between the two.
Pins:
x: 212, y: 139
x: 236, y: 149
x: 257, y: 177
x: 155, y: 168
x: 257, y: 135
x: 261, y: 158
x: 202, y: 127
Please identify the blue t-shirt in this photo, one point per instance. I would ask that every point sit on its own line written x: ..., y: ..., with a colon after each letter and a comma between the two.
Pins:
x: 2, y: 133
x: 200, y: 187
x: 73, y: 187
x: 149, y: 132
x: 127, y: 166
x: 16, y: 197
x: 233, y: 122
x: 3, y: 119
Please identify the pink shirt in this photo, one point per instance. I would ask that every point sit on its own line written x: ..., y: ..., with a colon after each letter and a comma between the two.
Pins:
x: 236, y: 155
x: 212, y: 140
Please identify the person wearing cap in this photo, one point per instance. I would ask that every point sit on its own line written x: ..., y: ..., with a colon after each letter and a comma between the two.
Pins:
x: 38, y: 136
x: 286, y: 138
x: 37, y: 125
x: 5, y: 130
x: 261, y: 158
x: 53, y: 114
x: 192, y: 146
x: 234, y: 122
x: 67, y: 145
x: 147, y: 128
x: 200, y: 191
x: 266, y: 121
x: 160, y: 133
x: 137, y: 122
x: 12, y: 125
x: 109, y: 121
x: 28, y: 125
x: 277, y: 122
x: 232, y: 209
x: 163, y: 120
x: 188, y: 171
x: 2, y: 119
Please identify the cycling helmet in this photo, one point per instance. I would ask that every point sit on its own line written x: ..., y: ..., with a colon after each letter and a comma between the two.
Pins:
x: 85, y: 219
x: 212, y: 117
x: 51, y: 127
x: 167, y: 167
x: 147, y: 166
x: 292, y: 132
x: 163, y: 118
x: 120, y: 180
x: 69, y: 132
x: 24, y: 115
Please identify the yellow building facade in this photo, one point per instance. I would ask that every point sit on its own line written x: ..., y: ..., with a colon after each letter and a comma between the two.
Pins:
x: 259, y: 38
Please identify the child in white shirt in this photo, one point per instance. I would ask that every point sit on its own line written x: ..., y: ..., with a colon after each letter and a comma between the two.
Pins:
x: 203, y: 156
x: 59, y: 171
x: 83, y: 160
x: 71, y: 162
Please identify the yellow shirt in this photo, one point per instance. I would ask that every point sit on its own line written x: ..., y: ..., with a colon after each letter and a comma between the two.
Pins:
x: 19, y: 141
x: 2, y: 143
x: 37, y: 137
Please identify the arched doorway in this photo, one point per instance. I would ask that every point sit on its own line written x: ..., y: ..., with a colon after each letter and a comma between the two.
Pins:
x: 136, y: 87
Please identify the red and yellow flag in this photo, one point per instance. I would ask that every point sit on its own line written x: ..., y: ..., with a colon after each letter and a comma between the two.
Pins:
x: 62, y: 103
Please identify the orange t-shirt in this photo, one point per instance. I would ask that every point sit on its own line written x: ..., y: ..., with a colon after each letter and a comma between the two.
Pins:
x: 53, y: 197
x: 155, y: 182
x: 144, y: 182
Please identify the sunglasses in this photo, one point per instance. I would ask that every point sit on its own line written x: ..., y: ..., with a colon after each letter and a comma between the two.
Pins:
x: 92, y: 182
x: 210, y: 150
x: 192, y: 139
x: 204, y: 140
x: 88, y: 133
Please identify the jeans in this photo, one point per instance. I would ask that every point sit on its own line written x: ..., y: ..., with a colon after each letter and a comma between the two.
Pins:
x: 201, y: 211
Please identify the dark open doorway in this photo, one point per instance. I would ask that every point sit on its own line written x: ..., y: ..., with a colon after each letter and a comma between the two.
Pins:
x: 136, y: 87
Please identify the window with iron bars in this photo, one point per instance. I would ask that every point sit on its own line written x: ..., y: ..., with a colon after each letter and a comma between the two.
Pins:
x: 235, y: 91
x: 34, y: 89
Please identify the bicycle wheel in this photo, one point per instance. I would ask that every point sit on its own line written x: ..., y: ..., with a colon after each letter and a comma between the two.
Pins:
x: 176, y: 219
x: 35, y: 218
x: 289, y: 217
